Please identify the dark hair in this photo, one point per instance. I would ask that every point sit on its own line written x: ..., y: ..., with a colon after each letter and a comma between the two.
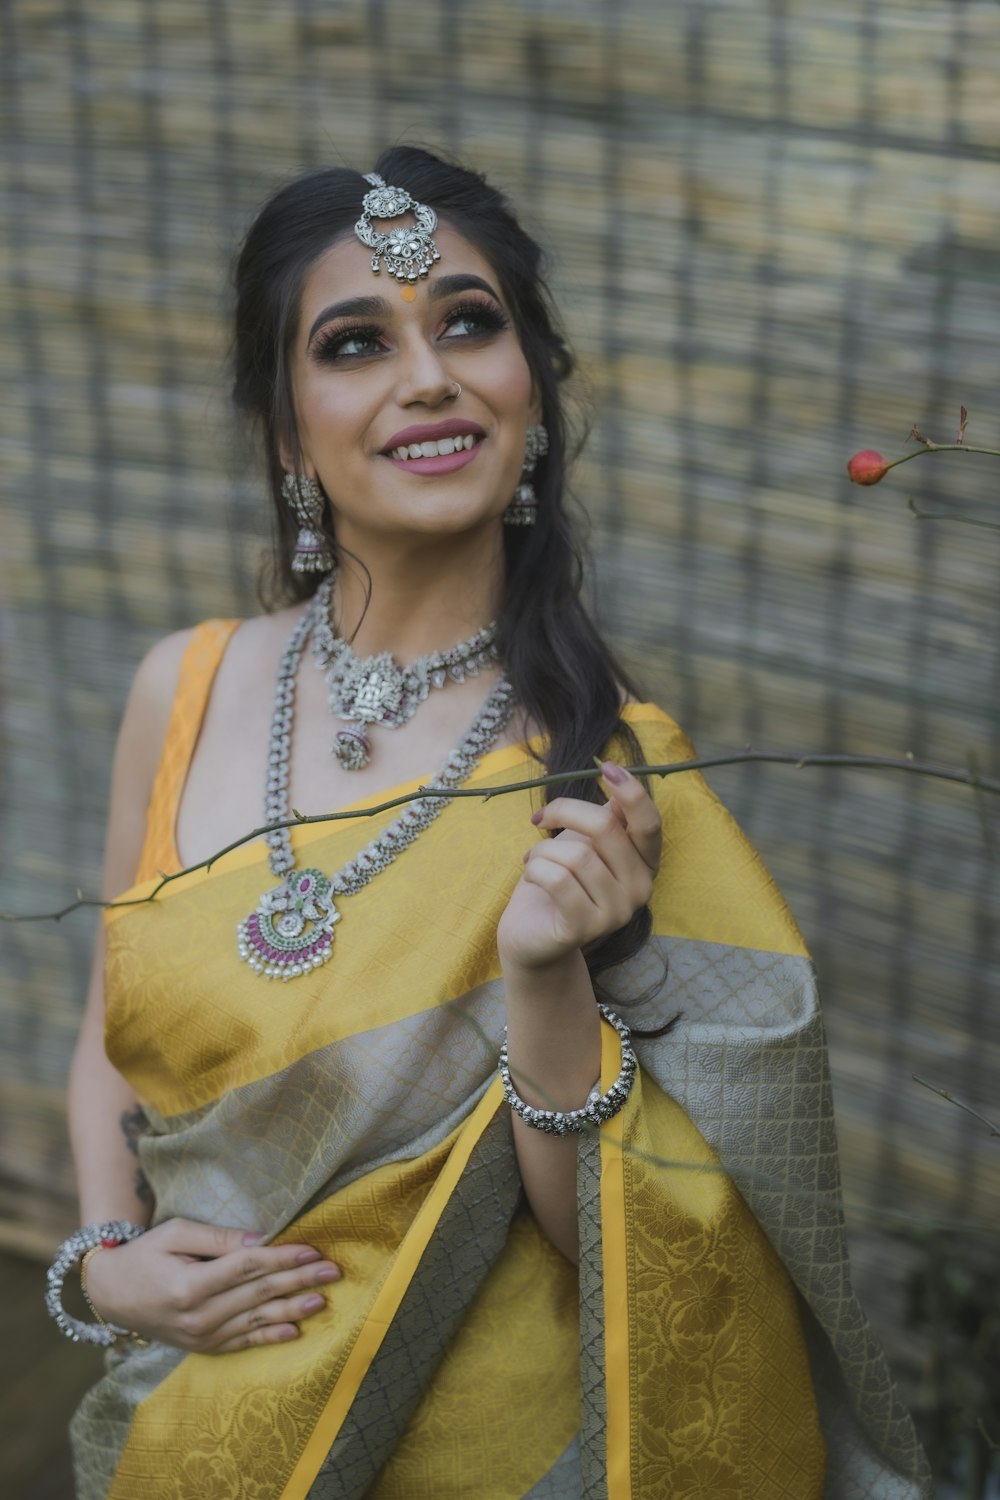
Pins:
x: 564, y: 675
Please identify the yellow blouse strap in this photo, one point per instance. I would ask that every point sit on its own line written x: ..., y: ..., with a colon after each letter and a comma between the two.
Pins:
x: 199, y: 665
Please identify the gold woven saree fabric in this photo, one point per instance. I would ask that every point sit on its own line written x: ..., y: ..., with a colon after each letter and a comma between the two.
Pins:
x: 710, y: 1344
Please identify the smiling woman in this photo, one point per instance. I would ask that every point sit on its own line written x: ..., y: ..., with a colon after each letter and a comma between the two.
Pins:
x: 365, y: 358
x: 521, y: 1181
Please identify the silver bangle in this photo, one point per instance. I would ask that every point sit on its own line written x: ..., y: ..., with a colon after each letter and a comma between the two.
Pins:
x: 70, y: 1252
x: 598, y: 1108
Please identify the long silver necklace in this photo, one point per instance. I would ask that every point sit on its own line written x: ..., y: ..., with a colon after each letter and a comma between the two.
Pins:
x: 291, y: 930
x: 376, y: 689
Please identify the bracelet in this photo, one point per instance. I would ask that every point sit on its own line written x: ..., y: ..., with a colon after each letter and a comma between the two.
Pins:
x: 116, y: 1331
x: 77, y: 1248
x: 598, y: 1108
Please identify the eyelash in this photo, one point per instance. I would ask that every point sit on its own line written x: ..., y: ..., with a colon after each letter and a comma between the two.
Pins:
x: 490, y: 316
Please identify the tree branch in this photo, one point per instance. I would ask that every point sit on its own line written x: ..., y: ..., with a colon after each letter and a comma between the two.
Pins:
x: 970, y: 777
x: 943, y: 1094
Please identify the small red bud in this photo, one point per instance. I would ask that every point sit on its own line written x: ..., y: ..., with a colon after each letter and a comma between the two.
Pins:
x: 867, y: 467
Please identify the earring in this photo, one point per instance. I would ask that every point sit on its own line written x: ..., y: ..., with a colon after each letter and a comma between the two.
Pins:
x: 523, y: 508
x: 307, y: 503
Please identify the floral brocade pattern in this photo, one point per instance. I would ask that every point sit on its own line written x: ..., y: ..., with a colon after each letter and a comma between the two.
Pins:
x: 721, y: 1392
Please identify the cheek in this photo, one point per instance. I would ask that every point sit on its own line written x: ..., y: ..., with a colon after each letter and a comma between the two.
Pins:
x: 328, y: 416
x: 512, y: 381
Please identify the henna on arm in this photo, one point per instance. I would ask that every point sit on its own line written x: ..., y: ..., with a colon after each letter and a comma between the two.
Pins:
x: 134, y: 1124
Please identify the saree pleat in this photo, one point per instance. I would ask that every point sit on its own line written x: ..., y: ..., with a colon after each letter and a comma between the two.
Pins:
x: 710, y: 1344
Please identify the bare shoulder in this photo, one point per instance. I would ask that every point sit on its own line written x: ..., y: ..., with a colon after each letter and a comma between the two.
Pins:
x: 137, y: 754
x: 156, y: 677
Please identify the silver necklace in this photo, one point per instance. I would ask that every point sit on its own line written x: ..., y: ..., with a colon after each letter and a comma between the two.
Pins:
x: 376, y: 689
x: 291, y: 930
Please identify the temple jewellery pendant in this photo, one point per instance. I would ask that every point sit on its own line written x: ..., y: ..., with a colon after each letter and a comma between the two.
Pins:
x: 375, y: 690
x: 291, y: 931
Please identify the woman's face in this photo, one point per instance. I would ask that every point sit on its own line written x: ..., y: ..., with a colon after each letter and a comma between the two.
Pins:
x: 375, y: 369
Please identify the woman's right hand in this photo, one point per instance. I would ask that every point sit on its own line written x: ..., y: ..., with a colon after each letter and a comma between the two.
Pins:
x: 207, y: 1289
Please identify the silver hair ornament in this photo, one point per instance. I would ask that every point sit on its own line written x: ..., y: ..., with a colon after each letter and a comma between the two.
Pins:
x: 408, y: 253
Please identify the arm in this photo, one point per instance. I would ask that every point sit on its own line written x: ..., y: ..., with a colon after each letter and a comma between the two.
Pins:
x: 196, y: 1286
x: 99, y: 1098
x: 578, y: 887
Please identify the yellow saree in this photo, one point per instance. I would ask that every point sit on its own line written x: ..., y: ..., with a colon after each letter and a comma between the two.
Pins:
x: 710, y: 1345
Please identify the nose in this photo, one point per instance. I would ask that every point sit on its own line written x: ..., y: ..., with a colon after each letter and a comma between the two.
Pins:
x: 424, y: 380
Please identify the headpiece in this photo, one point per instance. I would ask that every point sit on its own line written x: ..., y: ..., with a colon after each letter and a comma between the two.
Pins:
x: 408, y: 253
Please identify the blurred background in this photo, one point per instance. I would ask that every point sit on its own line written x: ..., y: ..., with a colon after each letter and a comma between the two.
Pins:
x: 774, y: 232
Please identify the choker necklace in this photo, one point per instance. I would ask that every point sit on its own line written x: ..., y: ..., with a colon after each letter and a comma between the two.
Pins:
x: 291, y: 931
x: 376, y: 690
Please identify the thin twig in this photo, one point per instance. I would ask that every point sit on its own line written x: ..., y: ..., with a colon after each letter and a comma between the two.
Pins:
x: 703, y: 763
x: 943, y: 515
x: 943, y: 1094
x: 929, y: 447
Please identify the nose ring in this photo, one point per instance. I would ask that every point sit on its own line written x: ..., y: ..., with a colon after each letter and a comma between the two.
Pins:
x: 458, y: 389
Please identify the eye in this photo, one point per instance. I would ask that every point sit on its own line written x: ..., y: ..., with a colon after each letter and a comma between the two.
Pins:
x: 473, y: 319
x: 346, y: 343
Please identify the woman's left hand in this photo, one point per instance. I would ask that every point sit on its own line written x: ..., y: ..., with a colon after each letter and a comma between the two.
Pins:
x: 587, y: 881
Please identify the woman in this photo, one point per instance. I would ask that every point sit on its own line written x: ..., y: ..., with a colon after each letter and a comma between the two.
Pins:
x: 376, y: 1267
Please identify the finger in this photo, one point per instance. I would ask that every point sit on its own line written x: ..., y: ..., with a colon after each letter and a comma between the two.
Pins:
x: 275, y: 1333
x: 629, y: 805
x: 582, y: 861
x: 614, y: 897
x: 606, y: 828
x: 267, y: 1290
x: 642, y: 818
x: 588, y: 819
x: 209, y: 1278
x: 280, y: 1313
x: 202, y: 1241
x: 577, y: 912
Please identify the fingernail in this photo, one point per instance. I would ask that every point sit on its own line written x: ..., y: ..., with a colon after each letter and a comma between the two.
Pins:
x: 613, y: 773
x: 253, y: 1239
x: 328, y: 1273
x: 313, y: 1303
x: 305, y: 1256
x: 536, y: 817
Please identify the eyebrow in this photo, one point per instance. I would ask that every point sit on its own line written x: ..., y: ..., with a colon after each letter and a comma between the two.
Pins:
x: 378, y: 307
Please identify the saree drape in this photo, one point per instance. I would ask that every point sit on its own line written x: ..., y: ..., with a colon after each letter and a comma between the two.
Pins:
x: 709, y: 1346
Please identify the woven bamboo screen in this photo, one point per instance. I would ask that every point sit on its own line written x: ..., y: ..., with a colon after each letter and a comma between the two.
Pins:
x: 774, y: 231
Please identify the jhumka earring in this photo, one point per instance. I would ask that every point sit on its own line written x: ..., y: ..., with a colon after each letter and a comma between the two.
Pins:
x: 523, y: 509
x: 308, y: 502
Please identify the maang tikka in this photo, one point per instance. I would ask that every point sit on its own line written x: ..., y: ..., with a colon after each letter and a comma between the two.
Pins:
x: 523, y: 509
x: 408, y: 253
x: 307, y: 503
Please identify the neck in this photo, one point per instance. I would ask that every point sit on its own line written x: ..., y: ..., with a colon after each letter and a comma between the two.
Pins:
x: 423, y: 598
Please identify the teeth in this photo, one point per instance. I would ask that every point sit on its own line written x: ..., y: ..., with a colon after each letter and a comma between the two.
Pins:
x: 442, y: 448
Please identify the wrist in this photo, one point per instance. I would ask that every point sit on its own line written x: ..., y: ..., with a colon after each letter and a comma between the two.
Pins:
x: 553, y: 1032
x: 551, y: 980
x: 72, y: 1252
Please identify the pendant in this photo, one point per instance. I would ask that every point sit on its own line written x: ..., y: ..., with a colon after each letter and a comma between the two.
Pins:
x: 291, y: 931
x: 351, y: 749
x: 373, y: 691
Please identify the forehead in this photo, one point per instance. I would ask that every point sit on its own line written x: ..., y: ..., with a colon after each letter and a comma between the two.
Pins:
x: 344, y: 270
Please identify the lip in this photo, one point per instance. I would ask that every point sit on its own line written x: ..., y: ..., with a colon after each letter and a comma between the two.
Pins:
x: 432, y: 433
x: 443, y: 464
